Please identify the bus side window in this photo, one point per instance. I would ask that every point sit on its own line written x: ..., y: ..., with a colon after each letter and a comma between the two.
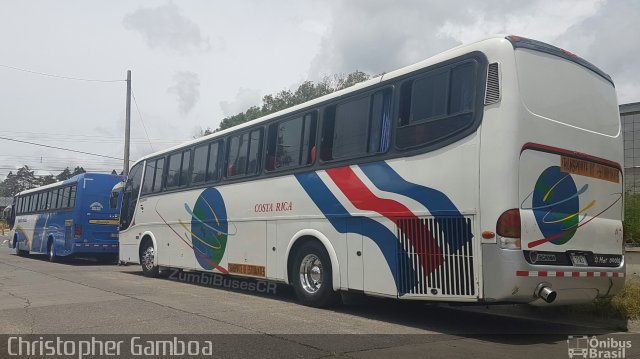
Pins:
x: 356, y: 127
x: 173, y: 170
x: 159, y: 175
x: 213, y: 166
x: 72, y: 197
x: 243, y: 154
x: 290, y: 142
x: 437, y: 105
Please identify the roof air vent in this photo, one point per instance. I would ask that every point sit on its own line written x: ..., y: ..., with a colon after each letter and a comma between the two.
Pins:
x: 492, y: 95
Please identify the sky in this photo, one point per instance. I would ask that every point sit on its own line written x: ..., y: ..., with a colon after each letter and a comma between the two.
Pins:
x: 195, y: 62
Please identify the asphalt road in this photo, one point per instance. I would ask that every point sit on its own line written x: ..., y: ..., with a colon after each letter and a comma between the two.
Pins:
x: 87, y: 297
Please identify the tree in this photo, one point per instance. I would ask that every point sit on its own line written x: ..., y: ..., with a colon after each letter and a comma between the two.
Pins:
x: 25, y: 179
x: 78, y: 170
x: 9, y: 186
x: 203, y: 132
x: 48, y: 179
x: 64, y: 175
x: 307, y: 91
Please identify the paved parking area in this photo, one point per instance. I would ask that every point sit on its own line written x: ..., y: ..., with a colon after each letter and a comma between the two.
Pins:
x: 86, y: 297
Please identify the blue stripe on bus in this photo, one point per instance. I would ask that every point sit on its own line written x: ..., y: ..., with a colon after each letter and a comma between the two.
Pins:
x: 339, y: 217
x: 436, y: 202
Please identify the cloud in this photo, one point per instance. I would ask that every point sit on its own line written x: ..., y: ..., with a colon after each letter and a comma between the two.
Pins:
x: 187, y: 90
x: 166, y: 27
x: 244, y: 99
x: 378, y: 35
x: 542, y: 19
x: 608, y: 41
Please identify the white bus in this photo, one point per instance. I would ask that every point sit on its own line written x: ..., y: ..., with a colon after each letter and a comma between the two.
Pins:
x: 488, y: 173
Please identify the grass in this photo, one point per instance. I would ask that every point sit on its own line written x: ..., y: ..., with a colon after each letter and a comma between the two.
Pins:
x: 632, y: 218
x: 625, y: 305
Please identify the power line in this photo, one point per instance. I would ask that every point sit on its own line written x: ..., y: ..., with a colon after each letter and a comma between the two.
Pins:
x: 142, y: 121
x: 58, y: 76
x: 59, y: 148
x: 107, y: 141
x: 89, y: 169
x: 71, y: 135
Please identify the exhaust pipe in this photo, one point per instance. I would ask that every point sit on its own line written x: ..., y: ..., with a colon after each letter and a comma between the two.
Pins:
x: 544, y: 291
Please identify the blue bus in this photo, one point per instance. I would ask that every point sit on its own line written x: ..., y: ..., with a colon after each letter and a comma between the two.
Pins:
x: 78, y: 216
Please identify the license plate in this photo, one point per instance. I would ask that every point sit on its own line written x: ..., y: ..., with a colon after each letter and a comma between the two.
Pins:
x: 579, y: 260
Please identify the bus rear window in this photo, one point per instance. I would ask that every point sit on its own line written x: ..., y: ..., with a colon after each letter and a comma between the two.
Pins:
x: 562, y: 91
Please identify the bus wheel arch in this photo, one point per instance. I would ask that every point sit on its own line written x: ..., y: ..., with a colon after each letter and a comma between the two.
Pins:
x: 148, y: 255
x: 311, y: 274
x: 306, y: 236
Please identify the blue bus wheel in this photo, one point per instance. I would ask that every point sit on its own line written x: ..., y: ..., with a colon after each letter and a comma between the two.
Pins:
x: 19, y: 252
x: 52, y: 254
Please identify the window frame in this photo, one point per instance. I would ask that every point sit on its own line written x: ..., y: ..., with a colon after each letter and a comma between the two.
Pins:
x: 477, y: 108
x: 385, y: 151
x: 313, y: 137
x: 181, y: 152
x: 387, y: 88
x: 259, y: 155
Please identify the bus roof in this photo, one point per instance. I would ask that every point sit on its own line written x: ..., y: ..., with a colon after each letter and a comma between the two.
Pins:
x: 460, y: 50
x: 73, y: 179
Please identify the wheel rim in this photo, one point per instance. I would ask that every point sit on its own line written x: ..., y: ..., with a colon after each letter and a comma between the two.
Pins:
x: 148, y: 257
x: 311, y: 273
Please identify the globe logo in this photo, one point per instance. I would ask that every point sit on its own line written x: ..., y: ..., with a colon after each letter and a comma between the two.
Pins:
x: 556, y: 205
x: 209, y: 228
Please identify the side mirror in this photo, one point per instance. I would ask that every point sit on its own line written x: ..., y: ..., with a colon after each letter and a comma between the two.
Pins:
x: 115, y: 194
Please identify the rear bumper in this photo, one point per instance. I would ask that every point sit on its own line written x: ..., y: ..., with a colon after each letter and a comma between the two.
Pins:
x: 509, y: 278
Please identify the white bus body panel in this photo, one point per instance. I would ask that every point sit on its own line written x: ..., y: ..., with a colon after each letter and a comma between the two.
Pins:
x: 259, y: 216
x: 553, y: 110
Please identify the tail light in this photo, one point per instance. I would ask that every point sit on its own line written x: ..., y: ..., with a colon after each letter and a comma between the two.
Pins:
x: 77, y: 231
x: 508, y: 229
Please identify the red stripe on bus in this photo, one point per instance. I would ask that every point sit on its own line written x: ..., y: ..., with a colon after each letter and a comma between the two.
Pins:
x: 362, y: 198
x: 574, y: 154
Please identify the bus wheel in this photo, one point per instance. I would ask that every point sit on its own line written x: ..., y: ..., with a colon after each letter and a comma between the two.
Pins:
x: 312, y: 276
x: 19, y: 252
x: 52, y: 253
x: 146, y: 259
x: 15, y: 247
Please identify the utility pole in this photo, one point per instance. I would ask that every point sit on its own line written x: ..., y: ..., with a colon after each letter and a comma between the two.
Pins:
x: 127, y: 129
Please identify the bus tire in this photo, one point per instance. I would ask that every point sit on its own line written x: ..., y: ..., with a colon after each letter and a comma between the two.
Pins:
x: 51, y: 252
x: 19, y: 252
x: 147, y: 258
x: 312, y: 276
